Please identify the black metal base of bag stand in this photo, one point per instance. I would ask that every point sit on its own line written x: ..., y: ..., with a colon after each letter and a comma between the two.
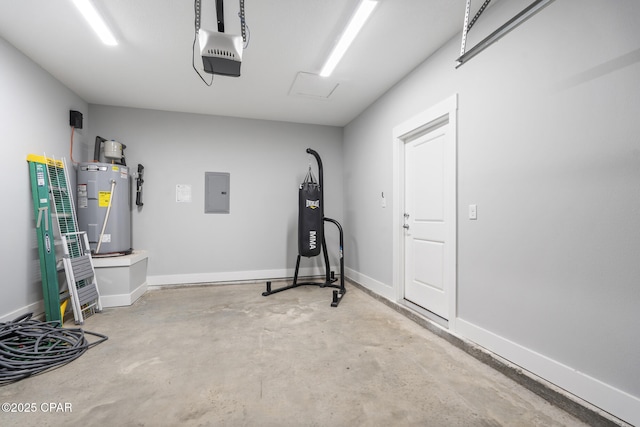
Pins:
x: 330, y: 278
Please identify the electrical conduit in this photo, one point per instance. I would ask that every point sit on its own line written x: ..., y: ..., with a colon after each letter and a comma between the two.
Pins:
x: 106, y: 217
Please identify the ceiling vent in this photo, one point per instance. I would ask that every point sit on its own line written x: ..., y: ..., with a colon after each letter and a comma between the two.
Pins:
x: 312, y: 86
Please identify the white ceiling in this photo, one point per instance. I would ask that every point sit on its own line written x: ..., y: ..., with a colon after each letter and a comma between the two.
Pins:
x: 151, y: 66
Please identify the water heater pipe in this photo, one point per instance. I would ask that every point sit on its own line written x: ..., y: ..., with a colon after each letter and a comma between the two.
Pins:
x: 96, y: 148
x: 106, y: 217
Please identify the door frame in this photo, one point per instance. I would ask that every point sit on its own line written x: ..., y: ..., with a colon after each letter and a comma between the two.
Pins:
x: 445, y: 110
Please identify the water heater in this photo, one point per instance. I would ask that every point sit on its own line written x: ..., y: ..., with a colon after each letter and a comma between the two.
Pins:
x: 104, y: 206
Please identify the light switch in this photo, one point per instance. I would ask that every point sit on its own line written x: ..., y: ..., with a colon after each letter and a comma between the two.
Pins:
x: 473, y: 212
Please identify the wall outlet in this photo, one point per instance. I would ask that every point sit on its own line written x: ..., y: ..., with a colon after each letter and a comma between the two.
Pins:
x: 473, y: 212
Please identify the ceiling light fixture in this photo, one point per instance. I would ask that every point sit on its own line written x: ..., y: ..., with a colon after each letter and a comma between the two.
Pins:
x: 95, y: 20
x: 355, y: 25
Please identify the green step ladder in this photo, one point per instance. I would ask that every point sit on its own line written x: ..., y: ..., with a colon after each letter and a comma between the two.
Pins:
x: 53, y: 198
x: 46, y: 243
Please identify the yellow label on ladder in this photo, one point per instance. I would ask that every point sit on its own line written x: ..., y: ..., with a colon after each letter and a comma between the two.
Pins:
x: 104, y: 197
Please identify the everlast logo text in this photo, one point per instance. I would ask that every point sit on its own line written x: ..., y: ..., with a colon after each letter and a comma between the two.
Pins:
x: 313, y: 204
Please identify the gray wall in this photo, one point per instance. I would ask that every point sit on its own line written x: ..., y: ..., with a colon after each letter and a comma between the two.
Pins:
x: 266, y: 161
x: 549, y: 150
x: 35, y: 119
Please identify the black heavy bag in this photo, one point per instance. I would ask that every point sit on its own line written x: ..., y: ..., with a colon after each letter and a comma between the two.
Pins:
x: 310, y: 225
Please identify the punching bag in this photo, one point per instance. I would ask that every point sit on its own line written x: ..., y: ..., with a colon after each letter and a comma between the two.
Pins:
x: 310, y: 213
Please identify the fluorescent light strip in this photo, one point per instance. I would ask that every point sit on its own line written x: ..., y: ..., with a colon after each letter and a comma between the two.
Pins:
x: 95, y: 20
x: 355, y: 25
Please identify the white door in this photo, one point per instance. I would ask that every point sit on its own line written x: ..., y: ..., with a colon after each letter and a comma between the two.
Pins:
x: 429, y: 219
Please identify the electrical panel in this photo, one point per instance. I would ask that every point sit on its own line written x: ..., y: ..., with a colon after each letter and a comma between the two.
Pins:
x: 216, y: 192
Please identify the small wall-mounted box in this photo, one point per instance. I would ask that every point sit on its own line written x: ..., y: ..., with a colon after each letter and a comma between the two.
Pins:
x: 75, y: 119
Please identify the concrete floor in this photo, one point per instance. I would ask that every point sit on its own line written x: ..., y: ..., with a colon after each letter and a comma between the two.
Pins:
x: 225, y: 355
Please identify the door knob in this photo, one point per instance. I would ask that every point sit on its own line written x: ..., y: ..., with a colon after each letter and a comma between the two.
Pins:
x: 406, y: 226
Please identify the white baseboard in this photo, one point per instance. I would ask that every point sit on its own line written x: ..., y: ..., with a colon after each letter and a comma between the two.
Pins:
x: 37, y: 308
x: 123, y: 299
x: 602, y: 395
x: 230, y: 276
x: 372, y: 284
